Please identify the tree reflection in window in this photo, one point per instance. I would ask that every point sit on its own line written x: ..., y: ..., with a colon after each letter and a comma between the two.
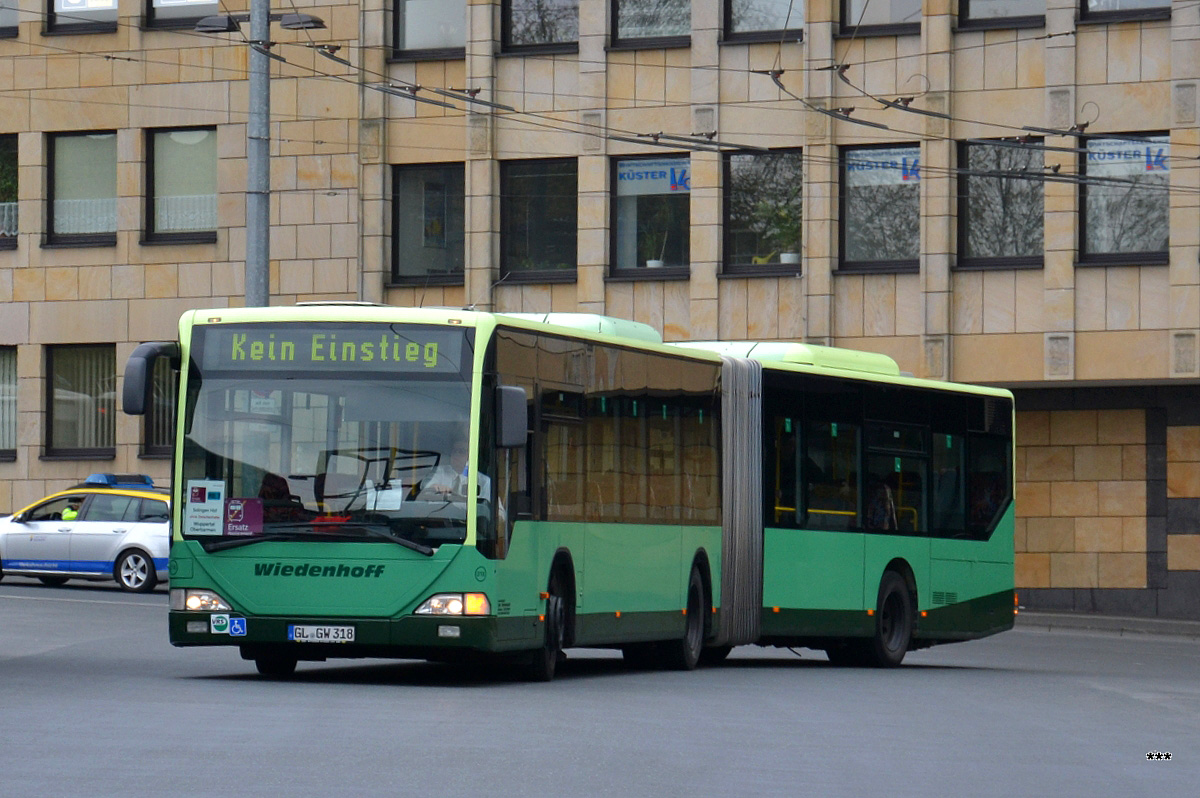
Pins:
x: 532, y: 22
x: 644, y: 19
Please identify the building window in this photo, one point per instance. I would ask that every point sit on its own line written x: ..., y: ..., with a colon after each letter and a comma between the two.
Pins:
x: 651, y: 19
x: 535, y: 23
x: 81, y: 399
x: 1125, y: 9
x: 8, y: 191
x: 881, y: 207
x: 428, y: 223
x: 539, y: 211
x: 897, y: 16
x: 1124, y: 199
x: 763, y: 203
x: 160, y: 416
x: 430, y: 26
x: 182, y: 191
x: 653, y: 213
x: 1000, y: 13
x: 8, y: 402
x: 9, y: 17
x: 83, y: 188
x: 179, y: 13
x: 744, y: 18
x: 82, y: 16
x: 1001, y: 210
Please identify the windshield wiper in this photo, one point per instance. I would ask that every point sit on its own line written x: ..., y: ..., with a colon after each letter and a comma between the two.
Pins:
x: 248, y: 540
x: 371, y: 529
x: 379, y: 531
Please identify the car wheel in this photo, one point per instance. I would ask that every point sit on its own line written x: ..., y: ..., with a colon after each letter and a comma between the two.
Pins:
x: 53, y: 581
x: 134, y: 572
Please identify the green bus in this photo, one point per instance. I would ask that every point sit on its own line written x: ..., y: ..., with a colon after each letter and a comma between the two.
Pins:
x: 354, y: 480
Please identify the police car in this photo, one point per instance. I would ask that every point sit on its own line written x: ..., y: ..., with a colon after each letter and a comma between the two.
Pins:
x: 111, y: 526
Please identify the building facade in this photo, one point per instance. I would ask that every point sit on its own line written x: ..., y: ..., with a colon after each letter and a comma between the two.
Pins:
x: 993, y: 191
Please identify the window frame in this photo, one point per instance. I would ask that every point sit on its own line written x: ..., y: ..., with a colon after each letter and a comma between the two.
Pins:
x: 664, y: 272
x: 537, y: 275
x: 10, y: 242
x: 1160, y: 12
x: 151, y: 21
x: 507, y: 46
x: 845, y: 266
x: 53, y: 238
x: 728, y: 266
x: 962, y: 260
x: 790, y: 34
x: 429, y: 278
x: 52, y: 27
x: 149, y: 234
x: 965, y: 22
x: 617, y: 42
x: 424, y: 54
x: 73, y: 452
x: 882, y: 29
x: 6, y: 454
x: 1142, y: 258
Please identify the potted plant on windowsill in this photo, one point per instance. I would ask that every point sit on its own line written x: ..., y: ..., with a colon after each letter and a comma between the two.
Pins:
x: 780, y: 226
x: 655, y: 247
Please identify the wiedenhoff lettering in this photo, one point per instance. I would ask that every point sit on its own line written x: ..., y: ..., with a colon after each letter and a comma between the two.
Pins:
x: 341, y: 570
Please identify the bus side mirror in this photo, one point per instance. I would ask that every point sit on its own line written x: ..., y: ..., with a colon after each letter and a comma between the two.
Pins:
x: 139, y: 374
x: 511, y: 416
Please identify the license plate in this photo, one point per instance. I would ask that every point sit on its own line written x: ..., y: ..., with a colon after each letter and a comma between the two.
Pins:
x: 321, y: 634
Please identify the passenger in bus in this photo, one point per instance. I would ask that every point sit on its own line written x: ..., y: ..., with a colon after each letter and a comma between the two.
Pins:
x: 880, y: 510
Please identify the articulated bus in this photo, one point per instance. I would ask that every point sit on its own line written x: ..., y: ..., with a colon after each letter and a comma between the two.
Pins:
x: 354, y: 480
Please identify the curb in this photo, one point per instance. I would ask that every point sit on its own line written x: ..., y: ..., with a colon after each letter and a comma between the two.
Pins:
x: 1055, y: 621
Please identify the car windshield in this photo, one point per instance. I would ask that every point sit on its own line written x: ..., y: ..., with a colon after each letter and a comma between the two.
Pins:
x: 309, y: 448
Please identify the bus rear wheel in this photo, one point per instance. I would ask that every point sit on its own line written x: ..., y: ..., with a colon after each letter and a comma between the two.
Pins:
x: 893, y: 622
x: 684, y: 654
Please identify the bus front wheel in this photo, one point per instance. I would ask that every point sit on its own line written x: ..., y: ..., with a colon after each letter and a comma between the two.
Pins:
x: 544, y: 661
x: 274, y: 666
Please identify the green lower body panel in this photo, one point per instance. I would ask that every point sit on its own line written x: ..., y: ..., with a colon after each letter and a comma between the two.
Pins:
x: 610, y: 629
x: 967, y: 620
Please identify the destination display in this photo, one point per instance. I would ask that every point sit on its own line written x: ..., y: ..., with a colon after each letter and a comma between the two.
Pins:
x: 360, y: 348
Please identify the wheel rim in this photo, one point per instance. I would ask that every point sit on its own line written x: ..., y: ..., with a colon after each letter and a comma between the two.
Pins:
x: 134, y: 571
x: 892, y: 621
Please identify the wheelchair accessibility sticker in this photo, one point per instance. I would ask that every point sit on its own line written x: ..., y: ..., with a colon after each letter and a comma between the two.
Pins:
x: 237, y: 627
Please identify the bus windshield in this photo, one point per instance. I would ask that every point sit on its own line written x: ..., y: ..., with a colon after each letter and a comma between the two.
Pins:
x: 302, y: 447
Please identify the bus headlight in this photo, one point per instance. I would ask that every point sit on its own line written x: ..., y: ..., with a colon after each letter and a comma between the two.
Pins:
x: 198, y: 601
x: 455, y: 604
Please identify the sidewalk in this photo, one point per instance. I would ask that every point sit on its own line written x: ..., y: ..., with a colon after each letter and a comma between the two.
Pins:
x: 1053, y: 621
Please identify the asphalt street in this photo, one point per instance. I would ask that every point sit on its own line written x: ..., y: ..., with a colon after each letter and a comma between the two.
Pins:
x: 97, y: 703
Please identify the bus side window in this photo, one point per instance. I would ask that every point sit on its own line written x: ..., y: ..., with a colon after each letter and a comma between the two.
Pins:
x: 830, y: 474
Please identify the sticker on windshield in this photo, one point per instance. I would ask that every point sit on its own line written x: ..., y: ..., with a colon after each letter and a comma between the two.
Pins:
x: 205, y: 510
x: 243, y: 516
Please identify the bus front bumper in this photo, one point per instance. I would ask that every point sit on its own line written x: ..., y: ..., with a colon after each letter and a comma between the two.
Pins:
x: 426, y: 637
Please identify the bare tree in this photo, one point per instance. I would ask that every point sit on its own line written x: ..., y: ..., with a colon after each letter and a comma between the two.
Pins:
x: 647, y: 18
x: 544, y: 21
x: 1005, y: 213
